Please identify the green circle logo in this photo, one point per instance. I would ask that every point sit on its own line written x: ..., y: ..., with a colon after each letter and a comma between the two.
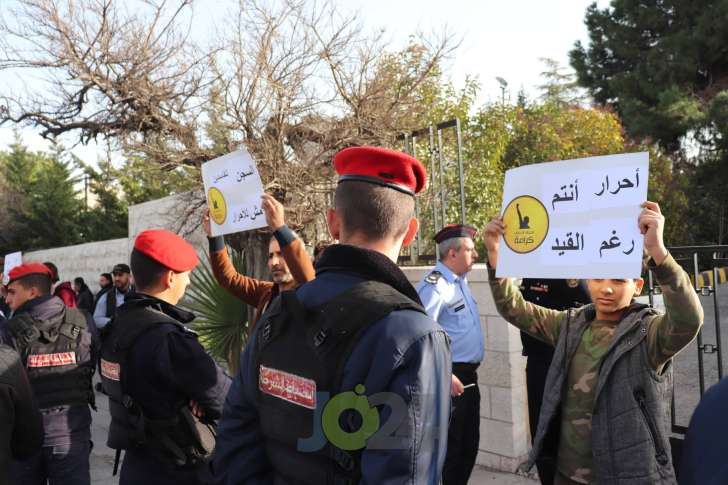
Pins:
x: 350, y: 401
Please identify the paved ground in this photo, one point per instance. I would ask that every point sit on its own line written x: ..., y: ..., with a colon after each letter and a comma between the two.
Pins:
x: 102, y: 458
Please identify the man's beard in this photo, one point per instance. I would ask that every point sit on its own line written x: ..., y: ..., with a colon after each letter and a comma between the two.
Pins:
x: 283, y: 279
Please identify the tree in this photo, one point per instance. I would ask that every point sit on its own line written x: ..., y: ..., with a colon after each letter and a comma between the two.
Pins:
x: 108, y: 216
x: 292, y: 81
x: 662, y: 65
x: 559, y: 85
x: 46, y: 209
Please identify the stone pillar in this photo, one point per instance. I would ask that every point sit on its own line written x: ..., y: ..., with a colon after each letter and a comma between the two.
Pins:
x: 504, y: 434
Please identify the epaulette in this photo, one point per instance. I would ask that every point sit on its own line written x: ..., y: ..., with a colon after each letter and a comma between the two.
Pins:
x: 433, y: 277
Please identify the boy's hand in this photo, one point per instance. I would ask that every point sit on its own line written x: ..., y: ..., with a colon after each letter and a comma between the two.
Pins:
x: 492, y: 234
x: 273, y: 212
x: 651, y: 223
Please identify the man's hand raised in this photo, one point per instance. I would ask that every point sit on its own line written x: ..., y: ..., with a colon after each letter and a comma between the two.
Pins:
x: 273, y: 212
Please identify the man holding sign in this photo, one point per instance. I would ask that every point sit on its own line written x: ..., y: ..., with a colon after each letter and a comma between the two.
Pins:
x: 288, y: 262
x: 611, y: 377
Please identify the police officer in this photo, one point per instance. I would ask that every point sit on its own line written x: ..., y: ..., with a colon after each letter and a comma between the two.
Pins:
x: 356, y: 337
x: 446, y: 296
x: 557, y: 295
x: 59, y: 348
x: 165, y: 392
x: 112, y: 299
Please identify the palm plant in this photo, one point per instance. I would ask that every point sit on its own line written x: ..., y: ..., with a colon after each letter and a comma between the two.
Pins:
x: 222, y: 319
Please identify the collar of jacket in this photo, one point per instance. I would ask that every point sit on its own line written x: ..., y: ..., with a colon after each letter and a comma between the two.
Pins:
x: 41, y: 308
x: 142, y: 300
x: 371, y: 265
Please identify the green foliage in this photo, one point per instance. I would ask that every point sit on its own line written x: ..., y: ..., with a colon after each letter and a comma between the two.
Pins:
x: 45, y: 209
x: 142, y: 181
x: 660, y: 64
x: 663, y: 67
x: 107, y: 218
x: 222, y: 319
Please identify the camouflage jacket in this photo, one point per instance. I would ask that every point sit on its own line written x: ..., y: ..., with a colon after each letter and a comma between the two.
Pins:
x: 610, y: 382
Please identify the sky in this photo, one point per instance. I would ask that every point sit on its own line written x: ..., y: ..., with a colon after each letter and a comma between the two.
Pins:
x: 498, y: 39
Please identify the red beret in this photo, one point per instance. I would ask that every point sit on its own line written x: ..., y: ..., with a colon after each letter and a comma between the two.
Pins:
x: 455, y: 230
x: 381, y: 166
x: 168, y: 249
x: 33, y: 267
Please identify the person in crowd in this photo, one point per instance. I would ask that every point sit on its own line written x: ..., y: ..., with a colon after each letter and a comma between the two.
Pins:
x: 704, y: 454
x: 63, y: 290
x: 358, y: 329
x: 59, y: 349
x: 113, y: 298
x: 446, y: 296
x: 20, y: 421
x: 555, y: 294
x: 106, y: 282
x: 288, y: 262
x: 5, y: 310
x: 84, y: 297
x: 609, y: 385
x: 165, y: 392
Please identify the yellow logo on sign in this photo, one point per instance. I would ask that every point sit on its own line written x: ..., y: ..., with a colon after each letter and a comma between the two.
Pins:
x: 218, y: 208
x: 527, y: 224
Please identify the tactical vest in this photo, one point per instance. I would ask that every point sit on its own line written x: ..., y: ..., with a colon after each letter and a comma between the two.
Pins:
x: 50, y: 350
x: 182, y: 441
x: 301, y: 354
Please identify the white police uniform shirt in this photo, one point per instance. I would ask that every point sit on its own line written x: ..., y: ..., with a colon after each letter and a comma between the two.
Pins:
x: 447, y: 299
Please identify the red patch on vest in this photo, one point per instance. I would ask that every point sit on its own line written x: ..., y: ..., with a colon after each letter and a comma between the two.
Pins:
x: 110, y: 370
x: 52, y: 360
x: 289, y: 387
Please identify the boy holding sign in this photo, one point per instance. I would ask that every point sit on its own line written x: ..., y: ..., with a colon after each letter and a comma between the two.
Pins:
x: 609, y: 385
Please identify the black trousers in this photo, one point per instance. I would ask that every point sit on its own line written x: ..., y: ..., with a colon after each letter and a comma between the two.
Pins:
x: 536, y: 369
x: 464, y: 432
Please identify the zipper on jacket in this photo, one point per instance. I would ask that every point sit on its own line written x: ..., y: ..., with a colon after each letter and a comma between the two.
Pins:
x: 660, y: 454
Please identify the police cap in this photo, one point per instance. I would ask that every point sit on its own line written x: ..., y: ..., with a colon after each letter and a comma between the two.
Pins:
x: 455, y: 230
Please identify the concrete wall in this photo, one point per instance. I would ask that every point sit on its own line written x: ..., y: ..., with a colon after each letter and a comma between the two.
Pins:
x: 504, y: 432
x: 85, y: 260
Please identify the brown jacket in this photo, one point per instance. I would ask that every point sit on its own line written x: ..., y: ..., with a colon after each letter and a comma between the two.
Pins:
x: 259, y: 293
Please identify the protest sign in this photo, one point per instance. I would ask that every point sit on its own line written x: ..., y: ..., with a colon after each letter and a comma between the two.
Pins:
x: 574, y: 218
x: 11, y: 261
x: 233, y: 189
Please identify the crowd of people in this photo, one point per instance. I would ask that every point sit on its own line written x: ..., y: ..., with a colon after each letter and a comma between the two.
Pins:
x: 350, y: 373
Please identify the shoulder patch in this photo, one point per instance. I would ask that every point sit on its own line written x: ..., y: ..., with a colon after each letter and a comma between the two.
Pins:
x: 433, y: 277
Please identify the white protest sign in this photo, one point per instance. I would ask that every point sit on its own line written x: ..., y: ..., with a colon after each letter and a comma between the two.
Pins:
x: 233, y: 189
x: 11, y: 261
x: 574, y: 218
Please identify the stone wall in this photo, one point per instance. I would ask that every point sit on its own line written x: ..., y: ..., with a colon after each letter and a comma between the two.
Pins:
x: 504, y: 432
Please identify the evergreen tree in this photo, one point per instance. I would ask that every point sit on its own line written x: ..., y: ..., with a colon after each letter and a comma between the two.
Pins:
x: 662, y: 64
